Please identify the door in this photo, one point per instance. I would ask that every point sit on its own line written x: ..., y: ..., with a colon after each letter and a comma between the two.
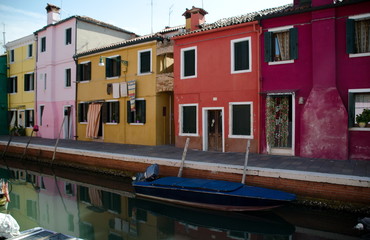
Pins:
x: 214, y: 130
x: 67, y: 126
x: 279, y: 124
x: 21, y: 118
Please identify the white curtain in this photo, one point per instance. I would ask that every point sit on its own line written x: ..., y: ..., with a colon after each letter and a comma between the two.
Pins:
x: 283, y: 44
x: 362, y: 36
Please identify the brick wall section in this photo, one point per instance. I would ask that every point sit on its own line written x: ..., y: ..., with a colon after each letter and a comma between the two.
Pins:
x: 301, y: 188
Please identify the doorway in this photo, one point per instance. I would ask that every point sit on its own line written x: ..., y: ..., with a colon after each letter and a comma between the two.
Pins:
x: 213, y: 139
x: 280, y: 124
x: 67, y: 125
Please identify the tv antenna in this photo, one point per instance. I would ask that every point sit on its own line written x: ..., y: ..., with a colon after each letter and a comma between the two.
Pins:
x: 169, y: 15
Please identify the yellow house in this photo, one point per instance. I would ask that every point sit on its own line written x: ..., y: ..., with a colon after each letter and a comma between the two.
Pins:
x: 125, y: 92
x: 21, y: 83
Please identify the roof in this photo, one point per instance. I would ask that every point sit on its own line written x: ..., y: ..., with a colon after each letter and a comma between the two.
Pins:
x: 88, y: 20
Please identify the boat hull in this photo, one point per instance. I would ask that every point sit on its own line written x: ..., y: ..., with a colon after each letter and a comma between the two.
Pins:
x: 243, y: 198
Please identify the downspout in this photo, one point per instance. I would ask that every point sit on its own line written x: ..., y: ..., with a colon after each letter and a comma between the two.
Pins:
x: 76, y: 82
x: 35, y: 79
x: 259, y: 83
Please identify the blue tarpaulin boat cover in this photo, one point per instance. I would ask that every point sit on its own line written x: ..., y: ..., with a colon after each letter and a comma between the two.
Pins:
x: 201, y: 184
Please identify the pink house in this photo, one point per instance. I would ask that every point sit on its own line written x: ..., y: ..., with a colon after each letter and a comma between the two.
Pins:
x: 315, y: 79
x: 56, y: 73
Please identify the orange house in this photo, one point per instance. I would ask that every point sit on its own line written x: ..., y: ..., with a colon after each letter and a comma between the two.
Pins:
x: 217, y: 82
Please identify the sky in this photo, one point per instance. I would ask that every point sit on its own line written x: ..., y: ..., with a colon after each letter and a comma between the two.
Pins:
x: 20, y: 18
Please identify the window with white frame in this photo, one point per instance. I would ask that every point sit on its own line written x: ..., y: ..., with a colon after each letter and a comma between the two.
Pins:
x: 110, y: 112
x: 189, y: 62
x: 84, y: 71
x: 240, y: 119
x: 68, y: 76
x: 13, y: 84
x: 68, y: 36
x: 29, y: 82
x: 113, y: 66
x: 188, y: 119
x: 144, y: 61
x: 30, y: 50
x: 139, y: 115
x: 29, y: 118
x: 281, y: 44
x: 83, y: 108
x: 358, y: 35
x: 12, y: 56
x: 358, y: 101
x: 41, y: 113
x: 241, y: 55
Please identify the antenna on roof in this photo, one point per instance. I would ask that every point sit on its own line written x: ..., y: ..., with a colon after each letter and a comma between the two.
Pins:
x: 169, y: 15
x: 3, y: 36
x: 151, y: 3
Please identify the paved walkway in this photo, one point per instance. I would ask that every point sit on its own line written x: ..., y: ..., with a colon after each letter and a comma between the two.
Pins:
x: 356, y: 168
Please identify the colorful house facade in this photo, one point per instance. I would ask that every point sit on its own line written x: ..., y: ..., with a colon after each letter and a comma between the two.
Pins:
x: 315, y: 79
x: 4, y: 127
x: 21, y: 84
x: 125, y: 91
x: 217, y: 83
x: 56, y: 71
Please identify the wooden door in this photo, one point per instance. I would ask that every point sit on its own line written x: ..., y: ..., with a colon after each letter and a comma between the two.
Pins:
x: 214, y: 130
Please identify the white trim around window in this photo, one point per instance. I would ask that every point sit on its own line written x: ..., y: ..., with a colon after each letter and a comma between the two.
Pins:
x: 181, y: 106
x: 232, y: 55
x: 182, y: 61
x: 231, y: 104
x: 139, y: 73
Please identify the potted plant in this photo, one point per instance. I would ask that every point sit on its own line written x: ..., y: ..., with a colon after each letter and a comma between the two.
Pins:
x: 363, y: 118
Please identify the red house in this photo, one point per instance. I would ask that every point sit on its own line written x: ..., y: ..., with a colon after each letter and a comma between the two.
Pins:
x: 217, y: 82
x: 315, y: 67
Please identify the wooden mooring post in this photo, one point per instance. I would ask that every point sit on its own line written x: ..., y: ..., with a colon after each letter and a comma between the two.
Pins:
x: 183, y: 157
x: 246, y: 160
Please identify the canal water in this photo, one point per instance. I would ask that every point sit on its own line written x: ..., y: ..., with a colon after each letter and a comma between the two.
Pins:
x: 104, y: 207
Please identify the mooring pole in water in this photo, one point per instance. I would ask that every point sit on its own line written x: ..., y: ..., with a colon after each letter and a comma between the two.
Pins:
x: 183, y: 157
x: 34, y: 129
x: 66, y: 114
x: 246, y: 160
x: 6, y: 148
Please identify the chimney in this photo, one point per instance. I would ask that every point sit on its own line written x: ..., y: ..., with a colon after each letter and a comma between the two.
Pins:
x: 316, y: 3
x: 301, y: 2
x: 194, y: 18
x: 53, y: 13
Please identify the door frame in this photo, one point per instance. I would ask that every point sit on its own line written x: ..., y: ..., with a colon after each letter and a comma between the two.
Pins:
x: 277, y: 151
x: 205, y: 126
x: 70, y: 119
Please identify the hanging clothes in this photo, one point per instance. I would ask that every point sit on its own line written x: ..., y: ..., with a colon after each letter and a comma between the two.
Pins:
x: 93, y: 120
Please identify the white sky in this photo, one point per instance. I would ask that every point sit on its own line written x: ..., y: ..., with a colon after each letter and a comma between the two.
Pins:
x: 20, y: 18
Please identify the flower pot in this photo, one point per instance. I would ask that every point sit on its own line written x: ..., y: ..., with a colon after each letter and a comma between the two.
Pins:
x: 362, y: 124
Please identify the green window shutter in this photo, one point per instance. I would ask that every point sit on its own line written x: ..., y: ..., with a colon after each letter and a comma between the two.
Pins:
x: 26, y: 83
x: 130, y: 116
x: 143, y: 111
x: 293, y: 38
x: 108, y: 72
x: 351, y: 109
x: 241, y: 120
x: 16, y: 84
x: 189, y: 118
x: 88, y: 71
x: 118, y: 66
x: 350, y: 35
x: 79, y: 72
x: 241, y: 55
x: 116, y: 111
x: 268, y: 46
x: 145, y: 62
x: 104, y: 112
x: 80, y: 112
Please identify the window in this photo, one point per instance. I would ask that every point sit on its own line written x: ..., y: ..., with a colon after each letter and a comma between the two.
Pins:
x: 32, y: 209
x: 281, y: 45
x: 68, y: 188
x: 358, y: 35
x: 41, y: 107
x: 29, y: 119
x: 12, y: 85
x: 188, y: 62
x: 111, y: 112
x: 240, y: 119
x: 43, y: 44
x: 84, y: 71
x: 12, y: 57
x: 358, y: 100
x: 84, y: 195
x: 68, y: 77
x: 144, y: 64
x: 29, y: 83
x: 240, y: 55
x: 188, y: 118
x: 113, y: 67
x: 82, y: 112
x: 45, y: 82
x: 111, y: 201
x: 137, y: 116
x: 30, y: 51
x: 68, y: 36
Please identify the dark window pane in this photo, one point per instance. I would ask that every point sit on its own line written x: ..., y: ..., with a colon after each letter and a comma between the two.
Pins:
x: 189, y: 63
x: 241, y: 120
x: 189, y: 119
x: 241, y: 56
x: 145, y: 62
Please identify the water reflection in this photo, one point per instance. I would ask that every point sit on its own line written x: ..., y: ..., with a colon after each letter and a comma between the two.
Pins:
x: 103, y: 207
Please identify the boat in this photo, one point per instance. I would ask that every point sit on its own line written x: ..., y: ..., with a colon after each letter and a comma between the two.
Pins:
x: 42, y: 233
x: 207, y: 193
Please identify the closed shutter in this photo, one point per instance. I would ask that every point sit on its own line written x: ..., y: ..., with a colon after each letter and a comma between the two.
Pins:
x: 79, y: 72
x: 88, y: 71
x: 118, y: 66
x: 26, y: 82
x: 268, y: 46
x: 104, y: 112
x: 145, y: 62
x: 350, y: 36
x: 116, y: 111
x: 241, y: 53
x: 15, y: 84
x: 142, y: 110
x: 189, y: 63
x: 108, y: 68
x: 130, y: 115
x: 293, y: 38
